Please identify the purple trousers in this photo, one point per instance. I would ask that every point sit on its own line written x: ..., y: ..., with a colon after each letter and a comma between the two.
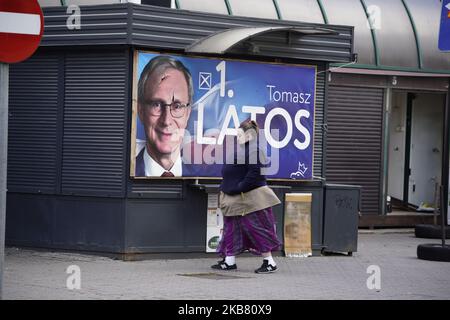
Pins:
x: 255, y: 232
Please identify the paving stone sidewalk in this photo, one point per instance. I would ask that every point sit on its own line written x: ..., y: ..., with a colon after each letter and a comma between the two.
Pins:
x: 42, y: 275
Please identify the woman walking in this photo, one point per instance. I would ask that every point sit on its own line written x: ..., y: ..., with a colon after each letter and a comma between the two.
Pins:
x: 246, y: 203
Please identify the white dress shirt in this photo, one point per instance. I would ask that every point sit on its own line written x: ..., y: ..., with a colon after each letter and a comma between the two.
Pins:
x: 154, y: 169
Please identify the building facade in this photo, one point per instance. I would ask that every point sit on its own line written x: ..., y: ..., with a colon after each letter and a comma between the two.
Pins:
x: 69, y: 182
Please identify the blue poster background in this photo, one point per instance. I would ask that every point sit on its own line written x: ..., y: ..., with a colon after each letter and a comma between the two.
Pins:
x: 444, y: 32
x: 249, y: 83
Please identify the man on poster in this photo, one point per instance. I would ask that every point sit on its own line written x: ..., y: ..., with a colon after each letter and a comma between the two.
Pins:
x: 165, y: 93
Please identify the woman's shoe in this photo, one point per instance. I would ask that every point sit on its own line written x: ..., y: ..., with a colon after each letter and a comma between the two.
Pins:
x: 266, y: 267
x: 222, y: 265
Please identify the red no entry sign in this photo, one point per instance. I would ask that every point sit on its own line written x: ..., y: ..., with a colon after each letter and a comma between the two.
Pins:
x: 21, y: 28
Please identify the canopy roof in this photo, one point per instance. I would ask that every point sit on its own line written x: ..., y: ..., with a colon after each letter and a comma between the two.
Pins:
x: 403, y: 35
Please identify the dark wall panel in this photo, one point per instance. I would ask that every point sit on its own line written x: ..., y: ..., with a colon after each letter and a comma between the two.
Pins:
x: 354, y: 141
x: 175, y: 225
x: 94, y: 224
x: 77, y: 223
x: 33, y: 115
x: 29, y: 220
x: 95, y: 128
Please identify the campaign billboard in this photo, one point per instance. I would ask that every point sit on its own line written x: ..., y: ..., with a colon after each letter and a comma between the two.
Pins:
x: 186, y: 112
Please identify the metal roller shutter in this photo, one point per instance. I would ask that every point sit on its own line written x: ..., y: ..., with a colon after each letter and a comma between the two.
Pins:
x: 95, y: 112
x: 354, y: 141
x: 32, y: 129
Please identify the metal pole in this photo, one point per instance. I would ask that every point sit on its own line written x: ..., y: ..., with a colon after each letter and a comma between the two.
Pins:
x: 442, y: 217
x: 445, y: 166
x: 4, y: 75
x: 385, y: 152
x: 445, y: 160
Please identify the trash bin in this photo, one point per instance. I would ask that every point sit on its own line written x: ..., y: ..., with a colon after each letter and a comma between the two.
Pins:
x: 341, y: 213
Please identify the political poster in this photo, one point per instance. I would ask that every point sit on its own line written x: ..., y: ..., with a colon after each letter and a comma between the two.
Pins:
x: 186, y: 112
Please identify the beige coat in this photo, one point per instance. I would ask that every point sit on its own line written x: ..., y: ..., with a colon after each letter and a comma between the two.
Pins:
x: 247, y: 202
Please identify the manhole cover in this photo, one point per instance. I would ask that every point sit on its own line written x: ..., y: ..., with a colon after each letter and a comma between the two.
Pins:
x: 212, y: 276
